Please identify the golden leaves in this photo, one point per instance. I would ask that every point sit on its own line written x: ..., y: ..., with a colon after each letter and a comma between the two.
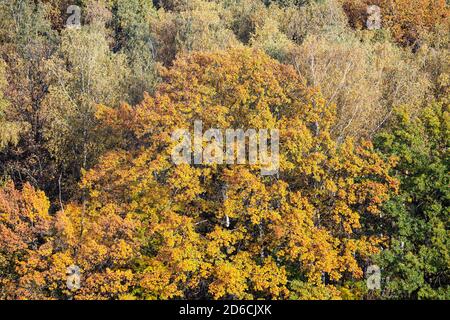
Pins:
x: 155, y: 230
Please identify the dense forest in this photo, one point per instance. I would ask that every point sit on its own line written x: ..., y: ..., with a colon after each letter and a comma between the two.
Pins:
x: 92, y: 90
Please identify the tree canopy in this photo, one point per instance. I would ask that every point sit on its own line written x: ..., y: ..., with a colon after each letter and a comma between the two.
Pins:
x: 94, y: 93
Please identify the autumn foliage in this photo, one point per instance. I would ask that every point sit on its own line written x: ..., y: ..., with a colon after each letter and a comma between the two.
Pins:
x: 148, y: 219
x: 88, y: 182
x: 406, y: 20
